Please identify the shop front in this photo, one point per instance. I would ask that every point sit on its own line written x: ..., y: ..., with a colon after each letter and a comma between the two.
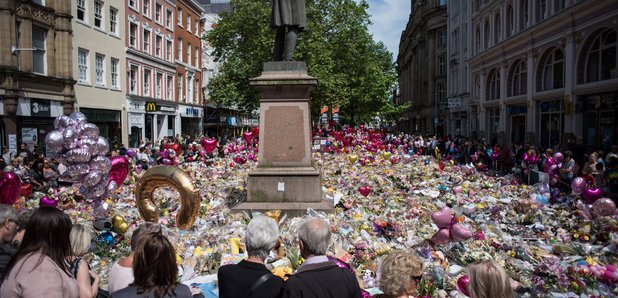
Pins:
x: 160, y: 120
x: 551, y: 123
x: 109, y: 124
x: 191, y: 120
x: 35, y: 118
x: 516, y: 114
x: 136, y: 122
x: 600, y: 116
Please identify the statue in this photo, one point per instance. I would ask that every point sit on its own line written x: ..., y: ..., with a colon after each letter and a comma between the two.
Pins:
x: 289, y: 18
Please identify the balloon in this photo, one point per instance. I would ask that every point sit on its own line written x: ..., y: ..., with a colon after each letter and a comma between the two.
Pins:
x: 443, y: 217
x: 591, y: 195
x: 457, y: 189
x: 138, y: 169
x: 578, y: 185
x: 90, y: 145
x: 462, y: 285
x: 386, y: 155
x: 89, y: 130
x: 119, y: 170
x: 62, y: 122
x: 78, y: 117
x: 247, y: 136
x: 352, y: 158
x: 102, y: 145
x: 209, y: 145
x: 102, y: 224
x: 69, y: 136
x: 92, y: 178
x: 364, y: 190
x: 406, y: 158
x: 101, y: 210
x: 105, y: 238
x: 77, y: 170
x: 47, y: 202
x: 442, y: 237
x: 78, y: 155
x: 100, y: 163
x: 441, y: 165
x: 553, y: 169
x: 603, y: 207
x: 54, y: 140
x: 558, y: 157
x: 131, y: 153
x: 119, y: 225
x: 394, y: 160
x: 176, y: 148
x: 460, y: 233
x: 167, y: 161
x: 10, y: 188
x: 174, y: 177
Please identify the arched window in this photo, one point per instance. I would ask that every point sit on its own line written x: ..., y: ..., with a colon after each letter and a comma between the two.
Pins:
x: 493, y: 86
x: 478, y: 39
x: 541, y: 9
x: 509, y: 21
x: 525, y: 14
x: 601, y: 57
x: 487, y: 35
x: 551, y: 73
x: 497, y: 28
x: 477, y: 87
x: 518, y: 79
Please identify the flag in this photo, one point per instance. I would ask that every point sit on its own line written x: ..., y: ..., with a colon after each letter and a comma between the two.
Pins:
x: 335, y: 110
x: 324, y: 109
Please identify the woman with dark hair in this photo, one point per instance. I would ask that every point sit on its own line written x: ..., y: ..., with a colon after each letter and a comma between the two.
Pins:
x: 154, y: 270
x: 42, y: 256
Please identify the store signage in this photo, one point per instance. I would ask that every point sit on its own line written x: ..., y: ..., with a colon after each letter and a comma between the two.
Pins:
x: 231, y: 121
x: 254, y: 122
x: 101, y: 115
x: 193, y: 112
x: 40, y: 108
x: 136, y: 107
x: 454, y: 102
x: 153, y: 107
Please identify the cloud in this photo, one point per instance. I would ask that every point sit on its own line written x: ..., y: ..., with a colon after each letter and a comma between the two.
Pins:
x: 389, y: 19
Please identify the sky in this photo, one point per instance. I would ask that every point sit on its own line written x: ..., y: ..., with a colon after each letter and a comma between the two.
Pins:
x: 389, y: 18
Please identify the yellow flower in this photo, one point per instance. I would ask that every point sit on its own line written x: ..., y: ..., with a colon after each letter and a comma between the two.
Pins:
x: 591, y: 261
x: 576, y: 235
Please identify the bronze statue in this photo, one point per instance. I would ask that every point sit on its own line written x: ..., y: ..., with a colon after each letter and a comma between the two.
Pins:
x: 289, y: 18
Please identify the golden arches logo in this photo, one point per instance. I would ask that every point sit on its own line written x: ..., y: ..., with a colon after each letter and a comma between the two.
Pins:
x: 168, y: 176
x: 151, y: 107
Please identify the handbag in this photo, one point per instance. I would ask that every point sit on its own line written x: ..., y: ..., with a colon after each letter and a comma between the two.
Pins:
x: 258, y: 283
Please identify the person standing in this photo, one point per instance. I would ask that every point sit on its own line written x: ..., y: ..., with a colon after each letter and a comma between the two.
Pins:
x: 8, y: 229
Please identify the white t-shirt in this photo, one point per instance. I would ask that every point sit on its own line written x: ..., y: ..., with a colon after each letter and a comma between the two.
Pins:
x: 119, y: 277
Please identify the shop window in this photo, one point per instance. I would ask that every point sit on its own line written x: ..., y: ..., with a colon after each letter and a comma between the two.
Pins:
x: 518, y: 79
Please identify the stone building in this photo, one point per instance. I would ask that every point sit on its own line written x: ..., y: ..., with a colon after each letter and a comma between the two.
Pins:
x: 422, y: 68
x: 544, y: 72
x: 36, y: 73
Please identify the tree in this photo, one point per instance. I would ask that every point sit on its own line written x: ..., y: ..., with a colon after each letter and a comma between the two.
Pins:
x: 354, y: 72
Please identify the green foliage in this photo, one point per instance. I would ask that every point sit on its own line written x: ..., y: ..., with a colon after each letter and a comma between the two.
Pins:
x: 354, y: 72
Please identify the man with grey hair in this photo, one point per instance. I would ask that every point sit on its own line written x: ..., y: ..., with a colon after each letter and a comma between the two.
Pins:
x: 250, y: 277
x: 318, y: 276
x: 8, y: 229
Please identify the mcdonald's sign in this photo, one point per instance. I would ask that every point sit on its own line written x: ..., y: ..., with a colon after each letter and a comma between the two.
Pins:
x: 151, y: 107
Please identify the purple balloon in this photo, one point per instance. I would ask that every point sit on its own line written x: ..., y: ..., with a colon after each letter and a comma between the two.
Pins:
x: 166, y: 161
x: 54, y: 140
x: 48, y: 202
x: 553, y: 169
x: 603, y: 207
x: 592, y: 194
x: 100, y: 163
x: 89, y: 130
x: 70, y: 138
x: 78, y: 117
x: 131, y: 153
x: 578, y: 185
x: 10, y: 188
x: 164, y: 154
x: 558, y: 157
x: 78, y: 156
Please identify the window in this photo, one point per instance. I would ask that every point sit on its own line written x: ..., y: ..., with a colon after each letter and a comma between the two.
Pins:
x: 493, y: 86
x: 180, y: 17
x: 197, y: 57
x: 478, y: 39
x: 114, y: 72
x: 146, y: 7
x: 158, y: 13
x: 168, y: 18
x: 518, y: 79
x: 487, y: 34
x: 197, y: 28
x: 82, y: 65
x: 188, y: 22
x: 146, y: 82
x: 552, y: 123
x: 497, y: 29
x: 441, y: 38
x: 180, y: 78
x: 133, y: 4
x: 552, y: 71
x: 493, y: 115
x: 98, y: 14
x: 113, y: 20
x: 560, y: 5
x: 81, y: 10
x: 601, y: 59
x: 441, y: 65
x: 39, y: 54
x: 158, y: 41
x: 509, y: 21
x: 442, y: 2
x: 168, y: 50
x: 179, y: 47
x: 146, y: 47
x: 525, y: 13
x: 133, y: 79
x: 158, y: 84
x: 169, y: 88
x: 133, y: 35
x: 99, y: 69
x: 542, y: 9
x: 441, y: 94
x: 189, y: 50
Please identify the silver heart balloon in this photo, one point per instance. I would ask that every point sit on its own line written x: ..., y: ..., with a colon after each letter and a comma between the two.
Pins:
x: 103, y: 146
x: 54, y: 141
x: 70, y: 138
x: 100, y: 163
x: 92, y: 178
x: 89, y: 130
x: 78, y: 117
x: 78, y: 156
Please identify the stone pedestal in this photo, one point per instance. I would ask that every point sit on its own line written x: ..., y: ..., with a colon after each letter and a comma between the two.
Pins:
x: 285, y: 177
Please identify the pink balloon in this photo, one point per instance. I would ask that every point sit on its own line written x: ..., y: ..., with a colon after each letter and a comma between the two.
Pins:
x: 442, y: 218
x: 457, y: 189
x: 166, y: 161
x: 120, y: 169
x: 553, y: 169
x: 603, y: 207
x: 592, y: 194
x: 247, y: 136
x: 578, y: 185
x: 138, y: 169
x: 364, y: 190
x: 209, y: 144
x: 442, y: 237
x: 558, y: 157
x: 462, y: 285
x: 460, y: 233
x: 10, y: 188
x: 47, y: 202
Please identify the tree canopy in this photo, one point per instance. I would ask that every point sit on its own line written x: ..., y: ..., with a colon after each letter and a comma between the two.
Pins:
x: 354, y: 72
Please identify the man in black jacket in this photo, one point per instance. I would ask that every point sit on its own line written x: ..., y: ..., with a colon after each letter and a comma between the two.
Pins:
x: 319, y: 277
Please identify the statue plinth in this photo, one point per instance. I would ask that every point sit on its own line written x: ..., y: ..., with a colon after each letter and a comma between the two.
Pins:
x: 286, y: 177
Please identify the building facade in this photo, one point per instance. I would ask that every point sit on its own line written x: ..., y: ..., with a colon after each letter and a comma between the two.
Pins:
x: 152, y: 104
x: 100, y: 67
x: 545, y: 72
x: 36, y: 81
x: 422, y: 68
x: 188, y: 33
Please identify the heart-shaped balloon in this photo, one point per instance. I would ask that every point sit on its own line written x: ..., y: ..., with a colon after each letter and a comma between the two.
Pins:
x: 603, y: 207
x: 462, y: 285
x: 394, y: 160
x: 386, y: 155
x: 442, y: 237
x: 592, y: 194
x: 443, y: 217
x: 442, y: 165
x: 247, y: 136
x: 119, y: 225
x: 47, y: 202
x: 120, y: 169
x: 209, y: 144
x: 460, y: 233
x: 10, y: 188
x: 364, y: 190
x: 352, y: 158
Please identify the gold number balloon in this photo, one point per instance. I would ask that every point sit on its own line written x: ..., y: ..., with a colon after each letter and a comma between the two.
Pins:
x: 168, y: 176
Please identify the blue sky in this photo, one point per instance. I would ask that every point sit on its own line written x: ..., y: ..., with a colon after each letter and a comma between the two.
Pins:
x: 389, y: 18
